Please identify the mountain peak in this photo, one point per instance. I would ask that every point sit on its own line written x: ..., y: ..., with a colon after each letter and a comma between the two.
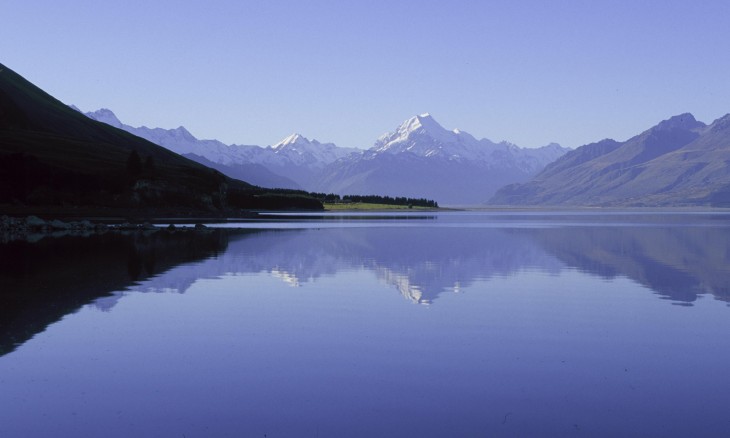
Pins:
x: 420, y: 125
x: 684, y: 121
x: 422, y: 121
x: 295, y: 138
x: 106, y: 116
x: 721, y: 124
x: 423, y: 135
x: 425, y: 118
x: 181, y: 132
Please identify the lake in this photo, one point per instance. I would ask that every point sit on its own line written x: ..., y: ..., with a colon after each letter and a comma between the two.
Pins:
x: 452, y: 324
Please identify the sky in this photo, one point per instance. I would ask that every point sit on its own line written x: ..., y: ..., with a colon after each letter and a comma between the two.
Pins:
x: 253, y: 72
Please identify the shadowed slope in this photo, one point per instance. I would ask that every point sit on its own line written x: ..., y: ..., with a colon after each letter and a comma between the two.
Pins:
x: 51, y: 155
x: 678, y: 162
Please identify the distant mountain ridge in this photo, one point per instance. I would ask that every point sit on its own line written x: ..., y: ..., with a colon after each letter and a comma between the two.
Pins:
x: 419, y: 159
x: 680, y: 161
x: 52, y: 157
x: 423, y: 159
x: 294, y: 156
x: 55, y: 161
x: 423, y: 136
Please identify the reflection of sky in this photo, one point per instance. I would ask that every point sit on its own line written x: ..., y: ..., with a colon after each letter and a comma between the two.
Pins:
x: 485, y: 219
x: 679, y: 255
x: 532, y: 354
x: 419, y: 267
x: 306, y: 333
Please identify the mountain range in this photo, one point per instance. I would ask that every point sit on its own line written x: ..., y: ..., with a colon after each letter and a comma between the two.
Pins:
x: 292, y: 163
x: 680, y: 161
x: 420, y: 159
x: 423, y: 159
x: 681, y: 264
x: 53, y: 159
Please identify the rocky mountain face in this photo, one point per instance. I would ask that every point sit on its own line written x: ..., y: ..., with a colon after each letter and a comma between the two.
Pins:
x: 422, y: 159
x: 302, y: 159
x: 419, y: 159
x: 680, y: 161
x: 290, y: 164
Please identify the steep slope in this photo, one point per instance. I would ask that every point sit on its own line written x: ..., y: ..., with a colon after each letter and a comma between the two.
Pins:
x: 292, y: 163
x: 302, y: 159
x: 680, y: 161
x: 50, y: 155
x: 299, y: 150
x: 422, y: 159
x: 255, y: 173
x: 178, y: 140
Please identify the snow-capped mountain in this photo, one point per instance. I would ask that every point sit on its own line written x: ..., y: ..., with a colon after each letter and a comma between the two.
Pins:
x: 423, y: 159
x: 303, y: 151
x: 296, y: 157
x: 181, y: 141
x: 423, y: 136
x: 419, y: 159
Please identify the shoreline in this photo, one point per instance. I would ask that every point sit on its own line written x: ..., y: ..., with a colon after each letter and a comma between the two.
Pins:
x: 34, y: 227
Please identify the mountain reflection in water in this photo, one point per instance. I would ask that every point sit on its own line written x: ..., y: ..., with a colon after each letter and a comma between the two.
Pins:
x: 46, y: 280
x: 678, y: 263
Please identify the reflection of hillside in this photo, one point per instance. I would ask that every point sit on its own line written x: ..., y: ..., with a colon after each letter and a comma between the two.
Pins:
x: 420, y: 268
x: 45, y: 280
x: 678, y: 263
x: 423, y: 265
x: 289, y: 255
x: 404, y: 285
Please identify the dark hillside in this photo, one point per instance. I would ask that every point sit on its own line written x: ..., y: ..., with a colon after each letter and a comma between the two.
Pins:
x: 51, y: 155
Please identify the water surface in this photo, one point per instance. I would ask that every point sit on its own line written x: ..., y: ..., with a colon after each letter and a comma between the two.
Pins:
x: 438, y: 324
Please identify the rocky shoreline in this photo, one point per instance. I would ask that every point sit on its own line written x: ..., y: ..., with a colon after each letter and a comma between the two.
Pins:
x: 32, y: 228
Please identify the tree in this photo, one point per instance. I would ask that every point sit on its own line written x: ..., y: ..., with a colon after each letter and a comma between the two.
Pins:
x: 149, y: 165
x: 134, y: 164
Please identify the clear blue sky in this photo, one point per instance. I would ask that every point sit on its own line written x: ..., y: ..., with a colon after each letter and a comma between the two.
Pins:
x: 252, y: 72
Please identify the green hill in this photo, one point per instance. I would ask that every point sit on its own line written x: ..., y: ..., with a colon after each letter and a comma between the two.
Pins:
x: 52, y: 156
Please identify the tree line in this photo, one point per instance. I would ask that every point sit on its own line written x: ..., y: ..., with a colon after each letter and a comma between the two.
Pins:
x: 333, y: 198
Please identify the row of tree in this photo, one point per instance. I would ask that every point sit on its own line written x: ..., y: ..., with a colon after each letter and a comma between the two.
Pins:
x: 272, y: 198
x: 333, y: 198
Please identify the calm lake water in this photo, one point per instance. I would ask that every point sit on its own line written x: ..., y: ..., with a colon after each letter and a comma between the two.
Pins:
x: 460, y: 324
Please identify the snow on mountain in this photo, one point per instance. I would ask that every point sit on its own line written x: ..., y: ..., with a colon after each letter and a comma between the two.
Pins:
x: 296, y: 157
x: 291, y: 140
x: 105, y: 116
x: 180, y: 140
x: 423, y: 136
x: 419, y: 159
x: 302, y: 151
x: 423, y: 159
